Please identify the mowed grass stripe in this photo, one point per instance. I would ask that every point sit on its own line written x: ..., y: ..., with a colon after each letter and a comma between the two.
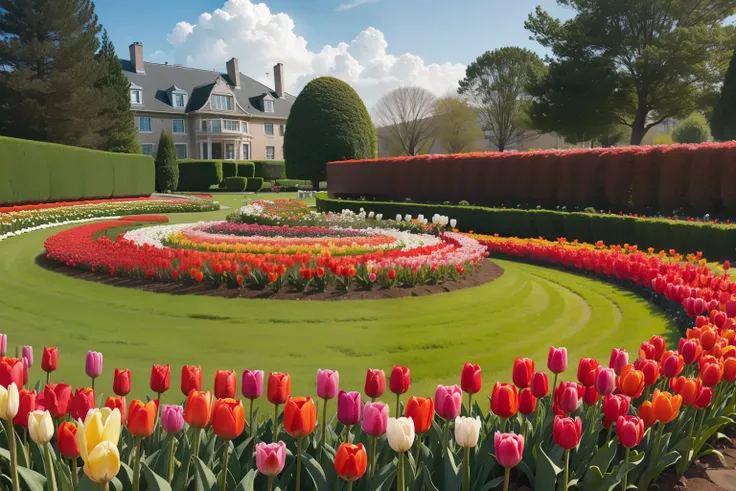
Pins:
x: 520, y: 314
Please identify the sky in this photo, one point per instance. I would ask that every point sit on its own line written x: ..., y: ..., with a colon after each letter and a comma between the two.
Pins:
x: 375, y: 45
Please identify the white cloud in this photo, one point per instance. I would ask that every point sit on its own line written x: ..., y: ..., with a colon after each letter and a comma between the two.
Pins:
x: 158, y: 56
x: 352, y: 4
x: 260, y: 39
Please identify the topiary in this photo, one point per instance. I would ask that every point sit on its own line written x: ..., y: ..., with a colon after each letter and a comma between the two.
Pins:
x: 236, y: 184
x: 167, y: 168
x: 327, y: 122
x: 693, y: 129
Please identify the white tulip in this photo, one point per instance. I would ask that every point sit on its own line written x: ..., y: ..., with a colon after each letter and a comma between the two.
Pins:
x: 40, y: 426
x: 400, y: 434
x: 379, y: 216
x: 371, y: 215
x: 398, y: 218
x: 467, y: 431
x: 9, y: 401
x: 420, y: 218
x: 407, y: 217
x: 453, y: 222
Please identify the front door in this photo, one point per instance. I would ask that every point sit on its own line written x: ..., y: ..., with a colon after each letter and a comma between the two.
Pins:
x: 230, y: 151
x: 216, y: 151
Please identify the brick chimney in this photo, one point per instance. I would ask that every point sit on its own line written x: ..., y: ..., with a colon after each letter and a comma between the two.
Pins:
x: 278, y: 77
x: 136, y: 57
x: 233, y: 72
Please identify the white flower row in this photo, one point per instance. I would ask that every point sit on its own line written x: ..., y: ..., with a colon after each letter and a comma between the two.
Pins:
x: 52, y: 224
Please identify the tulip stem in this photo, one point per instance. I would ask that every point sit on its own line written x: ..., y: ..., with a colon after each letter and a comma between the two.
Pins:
x: 347, y: 433
x: 275, y: 423
x: 626, y: 474
x: 373, y: 456
x: 223, y: 477
x: 172, y: 442
x: 137, y: 465
x: 103, y: 486
x: 298, y: 464
x: 470, y: 405
x: 692, y: 423
x: 250, y: 420
x: 50, y: 474
x: 466, y: 470
x: 48, y: 377
x: 93, y: 383
x: 398, y: 406
x: 26, y: 445
x: 197, y: 437
x: 400, y: 475
x: 554, y: 386
x: 75, y: 473
x: 10, y: 433
x: 350, y: 485
x: 445, y: 433
x: 270, y: 480
x: 506, y: 478
x: 657, y: 439
x: 324, y: 430
x: 567, y: 469
x: 523, y: 427
x: 419, y: 447
x: 608, y: 434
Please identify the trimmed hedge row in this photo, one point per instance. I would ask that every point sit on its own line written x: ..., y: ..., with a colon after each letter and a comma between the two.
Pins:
x: 269, y: 169
x: 698, y: 178
x: 246, y: 168
x: 199, y: 175
x: 239, y: 184
x: 37, y: 172
x: 717, y: 242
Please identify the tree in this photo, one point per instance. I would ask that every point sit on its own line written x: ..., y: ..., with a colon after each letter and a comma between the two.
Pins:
x: 694, y: 129
x: 48, y: 71
x: 328, y: 122
x: 496, y: 85
x: 406, y: 114
x: 723, y: 121
x: 456, y: 125
x: 613, y: 135
x: 117, y: 127
x: 167, y: 167
x: 667, y: 55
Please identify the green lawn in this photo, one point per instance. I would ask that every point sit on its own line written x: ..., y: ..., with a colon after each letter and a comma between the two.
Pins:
x: 520, y: 314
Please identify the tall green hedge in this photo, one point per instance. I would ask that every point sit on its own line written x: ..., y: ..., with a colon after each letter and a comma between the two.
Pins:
x: 199, y: 175
x: 229, y: 169
x: 269, y: 169
x: 716, y: 242
x: 246, y: 168
x: 35, y: 172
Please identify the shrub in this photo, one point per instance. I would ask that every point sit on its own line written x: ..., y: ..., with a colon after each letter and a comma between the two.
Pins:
x: 237, y: 184
x: 693, y: 129
x: 167, y: 169
x: 267, y: 185
x: 199, y: 175
x: 328, y: 122
x: 270, y: 169
x: 254, y: 184
x: 663, y: 139
x: 246, y: 168
x: 229, y: 169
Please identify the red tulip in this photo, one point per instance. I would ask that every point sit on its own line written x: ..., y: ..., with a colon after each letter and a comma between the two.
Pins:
x: 375, y: 383
x: 27, y: 404
x: 160, y: 378
x: 704, y: 398
x: 647, y: 351
x: 630, y: 431
x: 591, y: 396
x: 659, y: 346
x: 118, y: 403
x: 504, y: 400
x: 55, y: 398
x: 279, y: 387
x: 615, y: 406
x: 527, y: 402
x: 66, y: 439
x: 522, y: 373
x: 50, y: 359
x: 225, y: 384
x: 672, y: 364
x: 586, y: 371
x: 710, y: 373
x: 540, y: 384
x: 11, y: 370
x: 421, y: 411
x: 400, y: 379
x: 690, y: 350
x: 471, y: 378
x: 83, y: 401
x: 191, y: 379
x: 650, y: 369
x: 566, y: 432
x: 121, y: 382
x: 567, y: 396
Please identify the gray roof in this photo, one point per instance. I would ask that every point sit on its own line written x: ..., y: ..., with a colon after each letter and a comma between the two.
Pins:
x: 198, y: 84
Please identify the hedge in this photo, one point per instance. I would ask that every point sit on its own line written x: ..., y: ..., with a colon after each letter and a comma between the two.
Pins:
x: 254, y: 184
x: 237, y: 184
x: 269, y: 169
x: 229, y: 169
x: 696, y: 179
x: 199, y: 175
x: 246, y: 168
x: 716, y: 242
x: 36, y: 172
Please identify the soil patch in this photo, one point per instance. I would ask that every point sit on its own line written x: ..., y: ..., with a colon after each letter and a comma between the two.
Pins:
x: 485, y: 273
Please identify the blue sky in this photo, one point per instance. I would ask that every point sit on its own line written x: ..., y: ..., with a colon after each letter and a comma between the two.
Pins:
x: 437, y: 32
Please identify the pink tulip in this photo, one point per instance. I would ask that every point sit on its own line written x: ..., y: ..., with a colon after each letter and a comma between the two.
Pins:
x: 327, y: 382
x: 605, y: 381
x: 348, y: 407
x: 448, y: 400
x: 619, y: 359
x: 172, y: 418
x: 569, y: 398
x: 557, y: 359
x: 26, y: 367
x: 3, y: 344
x: 27, y: 353
x: 540, y: 384
x: 252, y: 384
x: 93, y: 365
x: 509, y: 449
x: 270, y: 458
x: 375, y: 418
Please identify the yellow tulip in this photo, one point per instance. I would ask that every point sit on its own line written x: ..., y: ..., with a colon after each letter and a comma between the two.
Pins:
x: 41, y: 427
x: 9, y: 401
x: 99, y: 426
x: 103, y: 462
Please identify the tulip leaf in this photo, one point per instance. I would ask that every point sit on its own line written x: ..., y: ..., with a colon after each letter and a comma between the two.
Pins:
x: 283, y: 479
x: 247, y: 483
x: 31, y: 480
x: 427, y: 479
x: 524, y: 468
x: 715, y: 452
x: 126, y: 476
x: 492, y: 483
x: 593, y: 478
x: 604, y: 456
x: 315, y: 471
x: 63, y: 477
x: 385, y: 476
x: 655, y: 470
x: 206, y: 480
x: 546, y: 472
x: 153, y: 480
x: 181, y: 477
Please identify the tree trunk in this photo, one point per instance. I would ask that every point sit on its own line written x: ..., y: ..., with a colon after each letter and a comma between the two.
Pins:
x: 638, y: 127
x: 315, y: 184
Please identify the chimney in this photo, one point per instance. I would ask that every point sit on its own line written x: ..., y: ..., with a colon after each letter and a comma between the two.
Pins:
x: 233, y: 72
x: 278, y: 76
x: 136, y: 57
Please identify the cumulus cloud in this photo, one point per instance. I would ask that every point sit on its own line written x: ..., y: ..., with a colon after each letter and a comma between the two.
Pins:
x: 352, y: 4
x: 260, y: 39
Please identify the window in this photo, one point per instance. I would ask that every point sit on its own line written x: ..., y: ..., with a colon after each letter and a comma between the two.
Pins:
x: 204, y: 125
x: 268, y: 106
x: 282, y: 129
x: 269, y: 129
x: 147, y: 149
x: 222, y: 102
x: 179, y: 126
x: 230, y: 151
x: 144, y: 125
x: 270, y: 153
x: 181, y: 150
x: 178, y: 100
x: 231, y: 125
x: 246, y: 151
x: 135, y: 96
x: 245, y: 126
x: 216, y: 126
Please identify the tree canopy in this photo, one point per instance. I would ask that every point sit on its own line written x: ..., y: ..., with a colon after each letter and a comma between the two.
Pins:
x: 667, y: 56
x: 406, y: 116
x: 723, y: 121
x: 693, y: 129
x: 456, y: 125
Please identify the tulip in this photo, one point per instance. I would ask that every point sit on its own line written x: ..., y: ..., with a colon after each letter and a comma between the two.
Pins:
x: 26, y: 404
x: 527, y: 402
x: 26, y: 370
x: 141, y: 419
x: 351, y: 462
x: 327, y: 383
x: 198, y: 409
x: 509, y: 449
x: 704, y: 398
x: 646, y: 413
x: 400, y: 379
x: 9, y: 404
x: 467, y: 432
x: 647, y: 351
x: 666, y: 406
x: 568, y: 395
x: 270, y: 459
x: 615, y: 406
x: 279, y: 391
x: 160, y: 379
x: 672, y: 364
x: 121, y: 382
x: 27, y: 353
x: 710, y: 373
x: 504, y: 400
x: 49, y: 361
x: 557, y: 360
x: 687, y: 388
x: 540, y: 384
x: 56, y: 399
x: 225, y: 384
x: 650, y: 369
x: 172, y: 418
x: 630, y: 431
x: 191, y: 379
x: 659, y: 346
x: 252, y: 384
x: 587, y: 368
x: 66, y: 438
x: 375, y: 383
x: 448, y: 400
x: 400, y: 435
x: 11, y: 371
x: 375, y: 418
x: 93, y: 365
x: 631, y: 382
x: 729, y: 369
x: 471, y: 381
x: 82, y: 402
x: 97, y: 439
x: 228, y: 419
x: 103, y: 462
x: 522, y: 372
x: 119, y: 403
x: 619, y: 359
x: 566, y: 433
x: 40, y: 427
x: 348, y: 409
x: 690, y: 350
x: 3, y: 345
x: 300, y: 418
x: 605, y: 381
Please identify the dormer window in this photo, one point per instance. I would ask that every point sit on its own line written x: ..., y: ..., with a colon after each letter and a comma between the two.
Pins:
x: 177, y: 96
x: 179, y: 100
x: 268, y: 106
x: 221, y: 102
x: 136, y: 94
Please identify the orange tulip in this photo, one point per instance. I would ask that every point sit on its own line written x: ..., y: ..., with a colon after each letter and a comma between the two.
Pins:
x: 421, y: 412
x: 631, y: 381
x: 228, y: 418
x: 351, y: 461
x: 711, y: 372
x: 141, y: 418
x: 729, y: 369
x: 666, y: 407
x: 300, y: 416
x: 708, y: 338
x: 504, y: 400
x: 279, y: 387
x: 646, y: 413
x: 687, y: 388
x: 117, y: 402
x: 198, y: 408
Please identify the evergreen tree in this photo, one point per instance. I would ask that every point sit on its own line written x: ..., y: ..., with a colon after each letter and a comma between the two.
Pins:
x: 723, y: 121
x: 47, y: 85
x: 117, y: 128
x: 167, y: 168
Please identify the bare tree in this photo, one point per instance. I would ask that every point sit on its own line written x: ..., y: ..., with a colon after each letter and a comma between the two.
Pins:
x: 406, y: 115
